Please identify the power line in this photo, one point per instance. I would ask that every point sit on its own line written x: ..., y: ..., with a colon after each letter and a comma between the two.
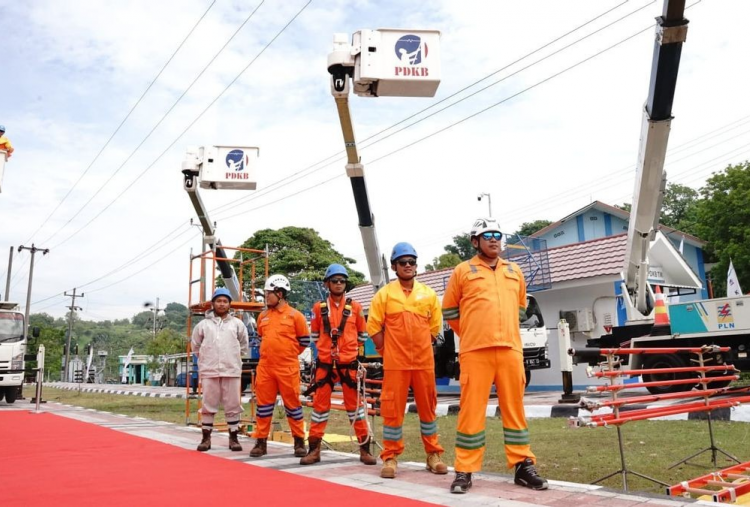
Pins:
x: 188, y: 127
x: 158, y: 123
x: 527, y: 55
x: 123, y: 121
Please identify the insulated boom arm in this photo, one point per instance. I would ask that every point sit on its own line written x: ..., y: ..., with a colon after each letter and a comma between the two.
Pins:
x: 355, y: 170
x: 671, y: 30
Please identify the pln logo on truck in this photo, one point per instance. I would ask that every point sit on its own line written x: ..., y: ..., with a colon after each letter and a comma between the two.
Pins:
x: 725, y: 318
x: 410, y: 51
x: 236, y: 162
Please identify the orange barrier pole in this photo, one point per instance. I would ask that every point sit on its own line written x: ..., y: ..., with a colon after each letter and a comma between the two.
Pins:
x: 674, y: 411
x: 657, y: 371
x: 593, y: 405
x: 619, y: 387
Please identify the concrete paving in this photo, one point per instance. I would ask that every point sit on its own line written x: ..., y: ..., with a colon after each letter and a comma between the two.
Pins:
x: 412, y: 480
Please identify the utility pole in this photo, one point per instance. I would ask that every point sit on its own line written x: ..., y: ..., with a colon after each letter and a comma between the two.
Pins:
x: 156, y: 311
x: 489, y: 201
x: 7, y: 278
x: 72, y: 309
x: 33, y: 249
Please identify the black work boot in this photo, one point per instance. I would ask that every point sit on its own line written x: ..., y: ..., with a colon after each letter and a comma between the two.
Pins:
x: 313, y: 455
x: 259, y: 449
x: 462, y: 483
x: 526, y: 475
x: 234, y: 443
x: 206, y: 442
x: 299, y: 447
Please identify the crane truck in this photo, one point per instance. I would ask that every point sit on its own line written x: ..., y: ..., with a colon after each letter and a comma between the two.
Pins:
x: 401, y: 63
x: 13, y: 343
x: 724, y: 322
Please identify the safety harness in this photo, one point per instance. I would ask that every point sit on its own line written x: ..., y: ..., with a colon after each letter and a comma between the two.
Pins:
x: 334, y: 365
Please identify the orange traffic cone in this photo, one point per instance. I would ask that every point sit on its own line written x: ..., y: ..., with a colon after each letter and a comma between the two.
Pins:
x: 661, y: 317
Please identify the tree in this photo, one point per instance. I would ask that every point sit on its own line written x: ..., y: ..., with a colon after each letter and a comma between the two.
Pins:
x: 166, y: 342
x: 447, y: 260
x: 302, y: 256
x: 529, y: 228
x: 461, y: 246
x: 176, y: 315
x: 626, y: 206
x: 723, y: 220
x: 680, y: 208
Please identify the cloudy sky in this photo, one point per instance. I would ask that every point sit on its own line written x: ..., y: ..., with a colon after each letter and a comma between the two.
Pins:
x: 540, y: 106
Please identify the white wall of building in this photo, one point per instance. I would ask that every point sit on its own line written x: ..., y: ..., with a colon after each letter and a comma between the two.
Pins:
x: 598, y: 296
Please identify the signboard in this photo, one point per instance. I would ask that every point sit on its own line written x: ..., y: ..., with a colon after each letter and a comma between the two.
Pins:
x: 230, y: 167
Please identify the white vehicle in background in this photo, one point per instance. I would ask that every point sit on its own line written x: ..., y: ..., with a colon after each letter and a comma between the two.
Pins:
x: 13, y: 343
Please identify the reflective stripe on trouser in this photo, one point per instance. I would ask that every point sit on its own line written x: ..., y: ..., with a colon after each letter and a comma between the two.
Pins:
x: 224, y: 391
x: 322, y: 407
x: 268, y: 383
x: 479, y: 370
x: 393, y: 397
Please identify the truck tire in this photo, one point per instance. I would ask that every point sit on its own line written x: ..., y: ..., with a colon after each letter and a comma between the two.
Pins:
x: 666, y: 361
x: 2, y: 393
x: 11, y: 393
x: 528, y: 378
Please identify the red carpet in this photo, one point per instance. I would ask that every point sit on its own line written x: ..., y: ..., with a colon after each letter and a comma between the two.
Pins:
x: 48, y: 460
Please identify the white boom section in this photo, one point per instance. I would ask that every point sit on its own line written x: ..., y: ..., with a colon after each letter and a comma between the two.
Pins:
x: 386, y: 62
x: 650, y: 184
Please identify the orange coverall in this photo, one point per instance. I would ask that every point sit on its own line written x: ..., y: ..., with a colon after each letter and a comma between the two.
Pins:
x: 409, y: 323
x: 284, y: 336
x: 482, y: 306
x: 348, y: 342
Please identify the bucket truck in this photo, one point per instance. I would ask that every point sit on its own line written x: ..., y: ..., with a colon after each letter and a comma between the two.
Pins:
x: 723, y: 322
x: 400, y: 63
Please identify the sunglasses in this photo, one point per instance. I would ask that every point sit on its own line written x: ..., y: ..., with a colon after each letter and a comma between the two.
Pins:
x: 492, y: 235
x: 409, y: 262
x: 337, y: 280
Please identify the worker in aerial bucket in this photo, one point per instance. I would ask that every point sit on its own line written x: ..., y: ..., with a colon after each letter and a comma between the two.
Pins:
x: 5, y: 142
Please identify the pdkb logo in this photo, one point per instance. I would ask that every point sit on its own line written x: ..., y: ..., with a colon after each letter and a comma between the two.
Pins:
x: 409, y: 50
x: 236, y: 160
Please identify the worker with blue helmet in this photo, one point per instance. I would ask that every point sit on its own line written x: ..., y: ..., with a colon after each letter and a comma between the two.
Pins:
x: 404, y: 320
x: 220, y: 340
x: 5, y: 144
x: 338, y: 328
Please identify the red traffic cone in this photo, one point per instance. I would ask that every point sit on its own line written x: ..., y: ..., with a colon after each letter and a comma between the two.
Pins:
x: 661, y: 317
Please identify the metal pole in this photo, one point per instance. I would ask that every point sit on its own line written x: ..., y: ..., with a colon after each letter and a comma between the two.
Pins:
x: 7, y: 279
x: 72, y: 309
x: 39, y: 375
x: 33, y: 251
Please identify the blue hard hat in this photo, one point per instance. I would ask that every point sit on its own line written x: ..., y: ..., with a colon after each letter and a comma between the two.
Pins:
x: 221, y: 291
x: 402, y: 249
x: 2, y: 128
x: 335, y: 269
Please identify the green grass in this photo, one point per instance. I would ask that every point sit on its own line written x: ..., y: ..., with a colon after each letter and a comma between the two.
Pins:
x: 570, y: 454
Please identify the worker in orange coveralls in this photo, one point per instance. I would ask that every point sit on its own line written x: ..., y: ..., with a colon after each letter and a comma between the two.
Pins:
x: 284, y: 336
x: 483, y: 302
x: 338, y: 328
x: 403, y: 321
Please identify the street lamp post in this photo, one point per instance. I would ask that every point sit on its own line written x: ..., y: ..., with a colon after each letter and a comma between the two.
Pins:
x: 489, y: 201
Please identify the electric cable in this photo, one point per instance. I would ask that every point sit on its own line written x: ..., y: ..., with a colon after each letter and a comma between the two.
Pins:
x: 153, y: 129
x: 187, y: 128
x: 112, y: 136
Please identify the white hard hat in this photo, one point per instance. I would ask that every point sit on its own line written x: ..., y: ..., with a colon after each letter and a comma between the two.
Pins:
x: 278, y: 282
x: 482, y: 225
